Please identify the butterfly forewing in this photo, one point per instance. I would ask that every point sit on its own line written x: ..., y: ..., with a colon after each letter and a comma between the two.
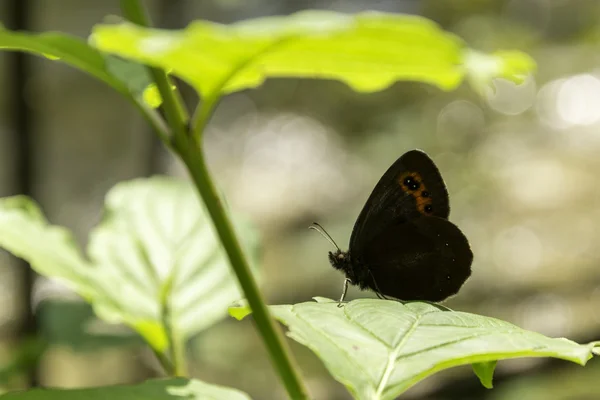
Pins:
x: 410, y: 188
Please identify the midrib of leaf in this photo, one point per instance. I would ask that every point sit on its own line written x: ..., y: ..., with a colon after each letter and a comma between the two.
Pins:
x: 211, y: 291
x: 315, y: 328
x: 148, y: 267
x: 392, y: 359
x: 196, y: 230
x: 448, y: 343
x: 217, y: 91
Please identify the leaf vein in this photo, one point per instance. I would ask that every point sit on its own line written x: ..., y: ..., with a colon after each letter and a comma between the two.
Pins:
x: 392, y: 357
x: 352, y: 360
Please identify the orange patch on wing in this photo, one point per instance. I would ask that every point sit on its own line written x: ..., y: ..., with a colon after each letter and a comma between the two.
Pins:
x: 420, y: 201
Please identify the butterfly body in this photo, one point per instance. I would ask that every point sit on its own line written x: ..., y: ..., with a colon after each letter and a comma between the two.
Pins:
x: 355, y: 271
x: 402, y: 244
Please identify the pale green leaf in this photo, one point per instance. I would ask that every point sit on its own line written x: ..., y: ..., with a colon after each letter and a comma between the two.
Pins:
x: 158, y: 389
x: 484, y: 68
x: 155, y: 235
x: 128, y: 78
x: 369, y: 51
x: 380, y: 348
x: 151, y: 96
x: 50, y: 249
x: 133, y: 75
x: 485, y: 372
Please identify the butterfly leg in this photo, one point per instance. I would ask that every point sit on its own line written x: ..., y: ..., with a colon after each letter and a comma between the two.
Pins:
x: 344, y: 290
x: 377, y: 291
x: 381, y: 296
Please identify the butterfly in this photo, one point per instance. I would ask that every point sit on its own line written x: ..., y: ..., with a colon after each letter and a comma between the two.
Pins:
x: 402, y: 244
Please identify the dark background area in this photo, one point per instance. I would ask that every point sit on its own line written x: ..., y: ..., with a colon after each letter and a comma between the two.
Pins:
x: 522, y: 168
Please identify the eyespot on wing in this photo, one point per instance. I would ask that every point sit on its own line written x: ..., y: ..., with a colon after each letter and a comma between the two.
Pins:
x: 431, y: 187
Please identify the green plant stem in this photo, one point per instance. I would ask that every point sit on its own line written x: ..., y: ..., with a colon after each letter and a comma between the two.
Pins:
x: 176, y: 118
x: 178, y: 354
x: 202, y: 115
x: 188, y: 146
x: 176, y: 345
x: 164, y: 361
x: 272, y: 337
x: 175, y: 340
x: 154, y: 119
x: 172, y: 103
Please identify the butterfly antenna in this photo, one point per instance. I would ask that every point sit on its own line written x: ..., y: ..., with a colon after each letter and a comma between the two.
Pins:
x: 323, y: 232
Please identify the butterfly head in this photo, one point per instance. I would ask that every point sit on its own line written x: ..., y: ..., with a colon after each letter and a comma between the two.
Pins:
x: 340, y: 260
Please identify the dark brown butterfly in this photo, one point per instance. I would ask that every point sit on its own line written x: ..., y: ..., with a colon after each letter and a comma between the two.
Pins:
x: 402, y: 244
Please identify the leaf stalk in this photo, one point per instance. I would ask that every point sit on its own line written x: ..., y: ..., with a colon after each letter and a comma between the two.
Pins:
x: 187, y: 145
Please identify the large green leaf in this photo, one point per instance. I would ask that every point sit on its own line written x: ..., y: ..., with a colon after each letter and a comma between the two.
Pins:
x: 159, y: 389
x: 369, y: 51
x: 129, y: 79
x: 155, y: 242
x: 50, y: 249
x: 380, y: 348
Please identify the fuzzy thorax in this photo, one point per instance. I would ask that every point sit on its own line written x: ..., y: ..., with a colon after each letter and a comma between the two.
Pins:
x: 358, y: 274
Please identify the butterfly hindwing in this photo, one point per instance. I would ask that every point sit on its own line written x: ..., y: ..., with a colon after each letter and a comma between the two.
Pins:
x: 427, y: 258
x: 410, y: 188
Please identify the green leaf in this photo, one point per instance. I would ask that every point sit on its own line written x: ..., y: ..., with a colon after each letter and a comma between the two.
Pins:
x: 152, y: 96
x: 369, y: 51
x: 159, y: 389
x: 135, y: 77
x: 380, y: 348
x: 485, y: 372
x: 128, y: 78
x: 483, y: 68
x: 50, y: 249
x: 154, y: 235
x: 240, y: 310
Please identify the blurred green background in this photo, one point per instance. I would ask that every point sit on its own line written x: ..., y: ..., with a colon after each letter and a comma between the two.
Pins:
x: 521, y: 165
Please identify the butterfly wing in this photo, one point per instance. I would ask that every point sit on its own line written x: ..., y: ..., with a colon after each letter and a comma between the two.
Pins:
x: 427, y: 258
x: 410, y: 188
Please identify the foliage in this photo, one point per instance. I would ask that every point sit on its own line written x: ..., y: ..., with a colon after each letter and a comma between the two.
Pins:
x: 159, y: 389
x: 380, y: 348
x: 311, y: 44
x: 155, y: 262
x: 155, y: 244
